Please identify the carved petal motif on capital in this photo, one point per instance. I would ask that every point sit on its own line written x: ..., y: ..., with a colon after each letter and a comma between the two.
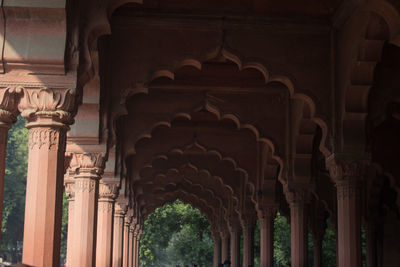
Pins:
x: 342, y: 170
x: 108, y: 191
x: 89, y: 162
x: 120, y: 209
x: 266, y: 212
x: 296, y: 196
x: 9, y: 98
x: 55, y: 103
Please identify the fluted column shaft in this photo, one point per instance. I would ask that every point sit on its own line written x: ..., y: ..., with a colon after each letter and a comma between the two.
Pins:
x: 248, y: 242
x: 44, y: 189
x: 348, y: 173
x: 224, y: 245
x: 298, y: 234
x: 107, y: 193
x: 125, y: 254
x: 266, y: 218
x: 132, y: 246
x: 217, y: 249
x: 86, y: 169
x: 349, y: 224
x: 138, y: 246
x: 70, y: 192
x: 235, y: 246
x: 119, y: 214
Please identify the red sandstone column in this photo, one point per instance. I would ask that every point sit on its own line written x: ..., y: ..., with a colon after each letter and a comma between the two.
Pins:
x: 119, y: 214
x: 217, y: 247
x: 48, y: 115
x: 70, y: 192
x: 8, y: 111
x: 347, y: 175
x: 139, y: 235
x: 298, y: 233
x: 108, y: 189
x: 136, y: 238
x: 235, y: 244
x: 248, y: 225
x: 349, y: 224
x: 266, y: 216
x: 125, y: 254
x: 132, y: 246
x: 86, y: 169
x: 224, y: 244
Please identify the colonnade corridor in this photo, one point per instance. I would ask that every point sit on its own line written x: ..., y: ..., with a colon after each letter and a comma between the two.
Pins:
x: 243, y: 109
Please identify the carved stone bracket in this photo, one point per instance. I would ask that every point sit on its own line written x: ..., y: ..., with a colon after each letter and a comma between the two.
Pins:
x: 120, y: 208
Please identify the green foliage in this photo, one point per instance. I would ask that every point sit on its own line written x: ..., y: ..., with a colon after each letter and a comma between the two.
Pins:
x: 176, y: 234
x: 329, y: 247
x: 14, y: 190
x: 281, y: 241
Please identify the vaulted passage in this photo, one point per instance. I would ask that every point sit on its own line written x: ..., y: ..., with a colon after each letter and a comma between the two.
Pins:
x: 242, y: 109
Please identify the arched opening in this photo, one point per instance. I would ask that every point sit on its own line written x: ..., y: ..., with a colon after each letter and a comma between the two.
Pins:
x: 176, y: 234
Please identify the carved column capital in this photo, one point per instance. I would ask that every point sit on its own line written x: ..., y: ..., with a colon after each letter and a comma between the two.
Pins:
x: 120, y: 209
x: 108, y: 189
x: 47, y: 106
x: 346, y: 170
x: 9, y: 98
x: 86, y: 163
x: 296, y: 196
x: 69, y: 189
x: 266, y: 212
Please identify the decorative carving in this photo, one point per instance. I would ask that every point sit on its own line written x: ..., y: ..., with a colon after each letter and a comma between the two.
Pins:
x: 57, y: 104
x: 87, y: 163
x: 9, y: 98
x: 70, y: 189
x: 267, y: 212
x: 343, y: 170
x: 120, y: 209
x: 47, y: 137
x: 296, y: 196
x: 82, y: 185
x: 108, y: 190
x: 105, y: 206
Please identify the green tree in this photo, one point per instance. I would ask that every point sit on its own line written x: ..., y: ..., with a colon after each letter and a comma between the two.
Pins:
x: 175, y: 234
x: 281, y: 241
x: 14, y: 191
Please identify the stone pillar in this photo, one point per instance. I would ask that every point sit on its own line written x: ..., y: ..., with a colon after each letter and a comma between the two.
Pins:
x: 138, y: 236
x: 347, y: 176
x: 234, y: 231
x: 8, y: 116
x: 317, y: 226
x: 86, y: 169
x: 108, y: 189
x: 217, y: 247
x: 119, y: 214
x: 47, y: 112
x: 371, y: 244
x: 125, y: 253
x: 224, y: 244
x: 132, y: 245
x: 70, y: 192
x: 298, y: 227
x: 248, y: 224
x: 266, y: 217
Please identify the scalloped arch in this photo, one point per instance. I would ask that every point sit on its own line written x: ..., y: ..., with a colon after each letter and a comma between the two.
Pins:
x: 197, y: 171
